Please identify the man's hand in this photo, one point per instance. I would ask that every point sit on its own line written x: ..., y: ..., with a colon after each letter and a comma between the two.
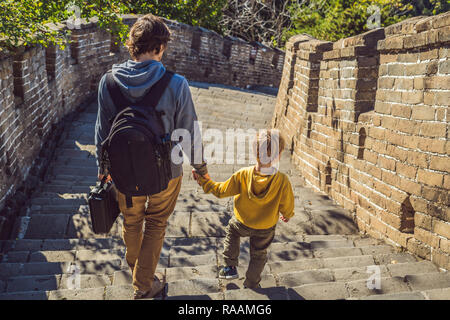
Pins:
x: 284, y: 219
x: 195, y: 175
x: 101, y: 176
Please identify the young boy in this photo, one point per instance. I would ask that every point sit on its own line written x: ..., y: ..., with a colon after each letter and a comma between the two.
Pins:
x: 260, y: 193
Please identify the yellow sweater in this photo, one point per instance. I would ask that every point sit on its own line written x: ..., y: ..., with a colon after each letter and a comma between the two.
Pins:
x: 258, y: 199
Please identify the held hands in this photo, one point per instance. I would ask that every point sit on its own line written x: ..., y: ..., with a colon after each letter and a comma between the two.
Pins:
x: 196, y: 176
x: 108, y: 178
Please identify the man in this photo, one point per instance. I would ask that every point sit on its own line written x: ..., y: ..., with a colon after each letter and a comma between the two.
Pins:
x: 147, y: 42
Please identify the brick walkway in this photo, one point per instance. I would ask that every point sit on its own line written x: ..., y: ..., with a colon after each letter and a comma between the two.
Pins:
x: 317, y: 255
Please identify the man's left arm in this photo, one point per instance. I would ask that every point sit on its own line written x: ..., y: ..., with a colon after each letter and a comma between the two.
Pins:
x: 186, y: 118
x: 105, y: 112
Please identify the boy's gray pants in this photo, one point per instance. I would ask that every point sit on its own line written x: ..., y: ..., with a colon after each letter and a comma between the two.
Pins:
x: 260, y: 240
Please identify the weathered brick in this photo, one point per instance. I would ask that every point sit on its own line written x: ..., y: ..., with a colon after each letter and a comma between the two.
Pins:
x: 442, y: 98
x: 423, y: 112
x: 432, y: 129
x: 441, y: 259
x: 410, y: 187
x: 422, y: 221
x: 398, y: 237
x: 391, y: 219
x: 386, y: 163
x: 440, y: 163
x: 406, y: 170
x: 444, y: 245
x: 426, y: 237
x: 430, y: 178
x: 401, y: 111
x: 441, y: 228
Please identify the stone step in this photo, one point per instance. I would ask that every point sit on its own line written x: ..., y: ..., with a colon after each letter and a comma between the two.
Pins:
x: 97, y: 293
x: 67, y: 161
x: 36, y: 245
x: 67, y: 226
x: 408, y: 295
x: 72, y: 178
x: 233, y: 121
x: 67, y: 170
x: 76, y: 255
x: 192, y: 287
x: 54, y: 268
x: 391, y: 285
x: 55, y: 282
x: 58, y: 201
x: 314, y: 284
x: 48, y: 203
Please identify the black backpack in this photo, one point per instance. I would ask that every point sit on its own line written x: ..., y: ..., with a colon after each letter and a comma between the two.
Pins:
x: 136, y: 152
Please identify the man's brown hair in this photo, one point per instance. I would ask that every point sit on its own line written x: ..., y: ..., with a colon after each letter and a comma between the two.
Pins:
x: 147, y: 35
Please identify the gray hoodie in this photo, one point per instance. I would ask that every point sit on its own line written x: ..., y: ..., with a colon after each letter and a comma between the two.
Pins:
x: 135, y: 79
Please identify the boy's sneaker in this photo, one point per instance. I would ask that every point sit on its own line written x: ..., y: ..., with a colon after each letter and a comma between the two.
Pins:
x: 228, y: 273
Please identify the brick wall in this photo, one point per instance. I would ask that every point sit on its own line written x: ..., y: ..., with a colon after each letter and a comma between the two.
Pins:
x: 368, y: 123
x: 42, y: 88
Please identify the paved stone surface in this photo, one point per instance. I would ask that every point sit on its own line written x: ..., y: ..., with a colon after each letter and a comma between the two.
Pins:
x: 317, y: 255
x: 397, y: 296
x: 319, y: 291
x: 192, y: 287
x: 359, y: 288
x: 77, y: 294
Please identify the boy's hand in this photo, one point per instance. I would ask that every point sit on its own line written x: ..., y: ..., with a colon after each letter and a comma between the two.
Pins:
x: 195, y: 175
x: 108, y: 178
x: 284, y: 219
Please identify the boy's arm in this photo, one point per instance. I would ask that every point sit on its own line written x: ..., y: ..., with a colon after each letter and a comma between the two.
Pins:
x: 287, y: 200
x: 229, y: 188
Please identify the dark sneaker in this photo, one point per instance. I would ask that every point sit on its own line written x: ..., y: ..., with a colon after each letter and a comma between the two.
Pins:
x: 228, y: 273
x: 258, y: 286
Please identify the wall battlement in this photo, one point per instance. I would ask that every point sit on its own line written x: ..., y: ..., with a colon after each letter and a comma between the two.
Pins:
x: 367, y: 119
x: 41, y: 87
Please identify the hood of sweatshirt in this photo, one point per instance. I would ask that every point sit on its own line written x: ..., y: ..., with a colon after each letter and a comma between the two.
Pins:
x: 261, y: 187
x: 136, y: 78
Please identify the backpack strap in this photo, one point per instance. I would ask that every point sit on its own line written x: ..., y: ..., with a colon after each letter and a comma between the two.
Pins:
x: 116, y: 94
x: 151, y: 99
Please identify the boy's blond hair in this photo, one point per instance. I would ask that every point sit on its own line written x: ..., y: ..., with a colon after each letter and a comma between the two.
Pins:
x: 267, y: 142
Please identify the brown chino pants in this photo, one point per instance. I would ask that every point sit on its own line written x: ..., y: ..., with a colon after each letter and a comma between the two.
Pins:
x: 143, y: 247
x: 260, y: 240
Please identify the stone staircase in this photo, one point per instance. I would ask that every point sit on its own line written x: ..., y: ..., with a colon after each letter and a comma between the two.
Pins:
x: 317, y: 255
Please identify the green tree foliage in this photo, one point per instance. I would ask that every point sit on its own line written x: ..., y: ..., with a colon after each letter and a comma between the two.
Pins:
x: 428, y: 7
x: 335, y: 19
x: 202, y: 13
x: 25, y: 22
